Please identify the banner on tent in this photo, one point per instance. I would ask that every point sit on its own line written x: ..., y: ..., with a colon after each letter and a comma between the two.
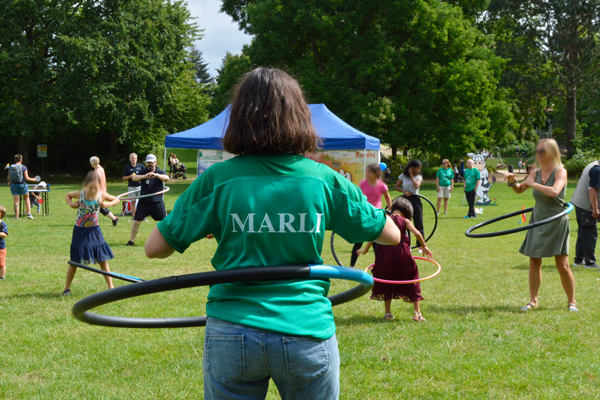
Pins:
x: 350, y: 163
x: 206, y: 158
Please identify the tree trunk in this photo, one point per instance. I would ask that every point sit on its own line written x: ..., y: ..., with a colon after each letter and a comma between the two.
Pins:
x: 571, y: 119
x: 24, y: 149
x: 394, y: 152
x: 112, y: 143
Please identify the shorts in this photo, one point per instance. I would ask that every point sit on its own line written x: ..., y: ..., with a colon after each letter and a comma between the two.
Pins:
x: 444, y: 192
x: 19, y: 189
x: 2, y: 258
x: 133, y: 189
x: 104, y: 211
x: 156, y: 210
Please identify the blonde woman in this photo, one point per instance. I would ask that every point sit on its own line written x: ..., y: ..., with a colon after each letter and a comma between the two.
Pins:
x: 549, y: 184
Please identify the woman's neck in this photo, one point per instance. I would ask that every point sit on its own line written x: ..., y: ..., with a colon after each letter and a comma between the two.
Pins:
x: 372, y: 182
x: 548, y: 167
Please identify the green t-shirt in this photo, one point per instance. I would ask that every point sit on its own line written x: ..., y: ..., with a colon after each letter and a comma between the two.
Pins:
x: 270, y: 211
x: 472, y: 175
x: 446, y: 175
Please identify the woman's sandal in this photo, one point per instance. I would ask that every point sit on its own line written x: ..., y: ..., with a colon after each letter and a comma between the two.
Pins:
x: 528, y: 307
x: 418, y: 318
x: 573, y: 307
x: 388, y: 317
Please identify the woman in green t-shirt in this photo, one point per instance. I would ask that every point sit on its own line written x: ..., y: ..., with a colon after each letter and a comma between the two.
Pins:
x: 270, y: 206
x: 444, y: 184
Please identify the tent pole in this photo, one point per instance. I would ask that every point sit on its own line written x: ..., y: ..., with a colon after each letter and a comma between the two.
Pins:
x: 165, y: 164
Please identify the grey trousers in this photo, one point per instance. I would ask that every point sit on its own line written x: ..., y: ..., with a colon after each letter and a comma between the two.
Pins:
x: 587, y: 236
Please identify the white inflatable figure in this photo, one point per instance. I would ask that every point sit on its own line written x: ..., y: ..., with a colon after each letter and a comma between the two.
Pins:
x: 483, y: 190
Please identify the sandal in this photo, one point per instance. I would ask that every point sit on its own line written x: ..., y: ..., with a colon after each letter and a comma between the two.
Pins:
x: 388, y: 317
x: 418, y: 318
x: 573, y: 307
x: 528, y: 307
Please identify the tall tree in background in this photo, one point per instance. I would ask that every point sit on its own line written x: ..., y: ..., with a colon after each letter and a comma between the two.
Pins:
x: 566, y: 34
x: 233, y: 67
x: 200, y: 66
x: 99, y: 76
x: 415, y: 73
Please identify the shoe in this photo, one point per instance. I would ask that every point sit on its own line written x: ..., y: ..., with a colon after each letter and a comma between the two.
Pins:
x: 578, y: 264
x: 67, y: 293
x: 573, y: 308
x: 29, y: 216
x: 445, y: 212
x: 2, y: 278
x: 437, y: 213
x: 130, y: 243
x: 467, y: 217
x: 420, y: 251
x: 594, y: 265
x: 115, y: 221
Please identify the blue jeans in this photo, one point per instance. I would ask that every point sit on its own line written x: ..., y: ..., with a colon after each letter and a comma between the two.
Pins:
x: 239, y: 361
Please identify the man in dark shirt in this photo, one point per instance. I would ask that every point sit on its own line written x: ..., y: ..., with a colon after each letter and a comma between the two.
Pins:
x: 152, y: 181
x: 132, y: 169
x: 587, y: 211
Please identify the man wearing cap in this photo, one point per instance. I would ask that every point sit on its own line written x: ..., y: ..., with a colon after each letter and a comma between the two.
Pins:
x: 152, y: 180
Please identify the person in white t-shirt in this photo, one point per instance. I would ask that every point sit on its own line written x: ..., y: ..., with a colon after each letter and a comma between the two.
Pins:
x: 409, y: 183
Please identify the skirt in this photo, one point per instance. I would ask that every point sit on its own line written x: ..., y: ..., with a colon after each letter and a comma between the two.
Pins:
x: 89, y: 247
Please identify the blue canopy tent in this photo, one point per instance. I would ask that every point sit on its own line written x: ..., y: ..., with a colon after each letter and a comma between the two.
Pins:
x: 334, y: 133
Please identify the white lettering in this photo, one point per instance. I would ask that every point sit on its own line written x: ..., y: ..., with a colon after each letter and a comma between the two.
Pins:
x: 283, y: 224
x: 249, y: 219
x: 319, y: 216
x: 303, y: 224
x: 266, y: 223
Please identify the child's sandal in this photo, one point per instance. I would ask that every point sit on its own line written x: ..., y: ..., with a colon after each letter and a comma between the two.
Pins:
x: 418, y: 318
x: 388, y: 317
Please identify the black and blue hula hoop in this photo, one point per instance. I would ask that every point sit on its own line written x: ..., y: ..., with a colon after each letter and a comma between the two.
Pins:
x: 469, y: 232
x: 122, y: 277
x: 331, y: 242
x: 81, y: 310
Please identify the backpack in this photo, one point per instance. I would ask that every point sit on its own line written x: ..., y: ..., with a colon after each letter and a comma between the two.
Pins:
x: 15, y: 173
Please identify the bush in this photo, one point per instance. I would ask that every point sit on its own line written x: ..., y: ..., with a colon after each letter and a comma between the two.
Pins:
x: 579, y: 161
x: 511, y: 149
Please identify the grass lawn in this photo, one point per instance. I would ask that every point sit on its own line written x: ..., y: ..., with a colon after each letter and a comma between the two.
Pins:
x: 474, y: 345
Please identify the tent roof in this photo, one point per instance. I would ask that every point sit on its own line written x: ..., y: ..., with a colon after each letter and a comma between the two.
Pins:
x: 334, y: 132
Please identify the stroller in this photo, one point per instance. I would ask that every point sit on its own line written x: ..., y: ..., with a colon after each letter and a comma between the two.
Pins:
x: 179, y: 171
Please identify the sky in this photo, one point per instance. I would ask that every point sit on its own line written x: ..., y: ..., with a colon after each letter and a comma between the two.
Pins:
x: 221, y: 34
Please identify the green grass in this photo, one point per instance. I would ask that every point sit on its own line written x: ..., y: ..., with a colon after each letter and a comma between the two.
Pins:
x: 474, y: 345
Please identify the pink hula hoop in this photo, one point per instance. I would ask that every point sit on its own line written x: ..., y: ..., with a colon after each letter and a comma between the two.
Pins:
x: 123, y: 198
x: 436, y: 273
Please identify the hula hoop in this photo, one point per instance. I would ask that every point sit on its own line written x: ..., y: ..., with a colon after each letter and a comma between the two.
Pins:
x: 468, y: 233
x: 82, y: 307
x: 123, y: 198
x: 331, y: 244
x: 122, y: 277
x: 436, y: 273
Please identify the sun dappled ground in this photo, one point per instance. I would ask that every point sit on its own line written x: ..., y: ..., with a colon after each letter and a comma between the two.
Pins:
x: 474, y: 345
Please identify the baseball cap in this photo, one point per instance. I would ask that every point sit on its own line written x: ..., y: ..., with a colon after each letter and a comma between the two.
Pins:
x: 150, y: 158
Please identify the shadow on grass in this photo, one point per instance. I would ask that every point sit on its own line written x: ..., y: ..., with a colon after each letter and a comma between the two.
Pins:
x: 465, y: 310
x: 358, y: 320
x: 45, y: 296
x: 548, y: 266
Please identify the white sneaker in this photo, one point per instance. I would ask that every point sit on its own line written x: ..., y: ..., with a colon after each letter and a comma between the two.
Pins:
x: 29, y: 216
x: 578, y: 264
x: 445, y: 212
x: 437, y: 213
x: 594, y: 265
x: 420, y: 251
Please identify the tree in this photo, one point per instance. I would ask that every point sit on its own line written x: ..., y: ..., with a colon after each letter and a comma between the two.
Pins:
x: 98, y: 76
x: 565, y: 33
x: 233, y: 67
x: 200, y: 66
x: 415, y: 73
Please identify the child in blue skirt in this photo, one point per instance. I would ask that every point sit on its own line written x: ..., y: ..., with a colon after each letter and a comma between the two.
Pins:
x: 88, y: 245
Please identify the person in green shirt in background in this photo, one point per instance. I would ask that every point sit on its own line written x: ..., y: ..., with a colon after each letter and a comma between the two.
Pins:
x: 472, y: 182
x: 270, y: 206
x: 445, y: 185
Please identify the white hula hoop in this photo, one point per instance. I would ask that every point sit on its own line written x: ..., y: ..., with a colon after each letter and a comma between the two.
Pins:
x: 123, y: 197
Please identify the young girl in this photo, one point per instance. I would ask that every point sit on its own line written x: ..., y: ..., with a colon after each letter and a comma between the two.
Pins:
x: 395, y: 263
x: 88, y: 245
x: 372, y: 187
x: 409, y: 183
x: 3, y: 235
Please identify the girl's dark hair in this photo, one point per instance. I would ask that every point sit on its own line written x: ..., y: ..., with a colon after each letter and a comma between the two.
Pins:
x: 411, y: 164
x: 403, y: 205
x: 91, y: 177
x: 269, y: 115
x: 376, y: 169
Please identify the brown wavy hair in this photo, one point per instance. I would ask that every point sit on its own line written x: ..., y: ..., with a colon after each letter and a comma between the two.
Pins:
x: 269, y: 115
